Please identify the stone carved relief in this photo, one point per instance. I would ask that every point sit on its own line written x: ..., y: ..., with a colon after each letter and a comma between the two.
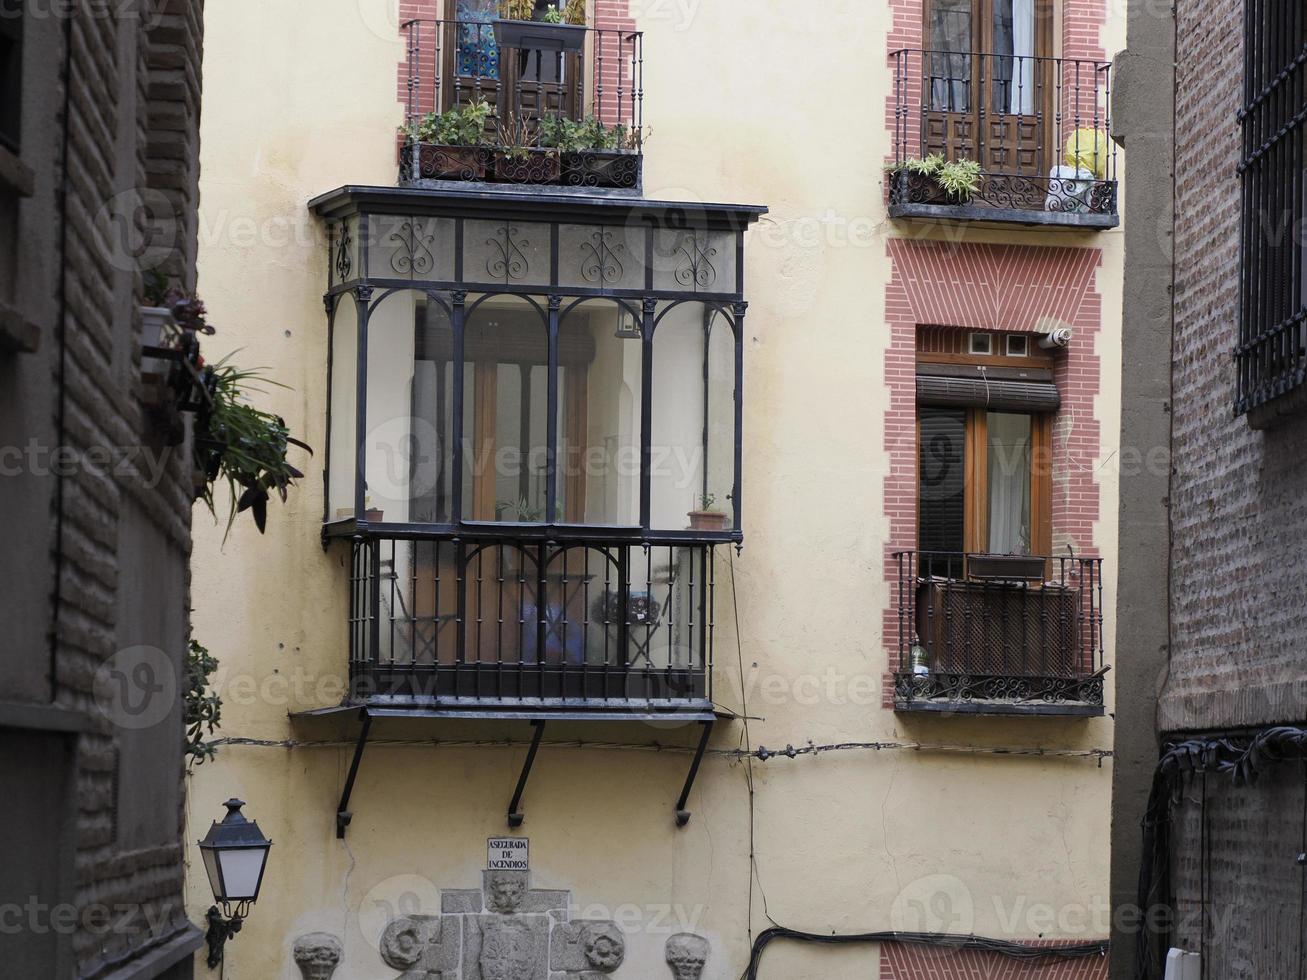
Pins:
x: 587, y: 948
x: 686, y: 955
x: 424, y: 947
x: 504, y: 930
x: 317, y: 954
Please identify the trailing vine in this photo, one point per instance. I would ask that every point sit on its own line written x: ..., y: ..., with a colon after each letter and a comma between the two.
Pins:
x: 203, y: 708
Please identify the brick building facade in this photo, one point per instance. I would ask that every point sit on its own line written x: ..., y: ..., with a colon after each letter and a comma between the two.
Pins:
x: 98, y: 183
x: 1211, y: 636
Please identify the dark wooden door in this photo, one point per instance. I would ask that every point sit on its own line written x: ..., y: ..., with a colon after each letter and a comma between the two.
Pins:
x: 521, y: 85
x: 988, y: 83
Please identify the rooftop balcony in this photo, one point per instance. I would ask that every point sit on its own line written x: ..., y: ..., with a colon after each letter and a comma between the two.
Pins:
x: 554, y: 104
x: 1036, y: 129
x: 999, y: 634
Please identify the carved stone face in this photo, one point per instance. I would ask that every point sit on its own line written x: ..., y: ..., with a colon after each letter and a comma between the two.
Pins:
x: 507, y: 952
x: 686, y: 955
x: 506, y: 892
x: 317, y: 955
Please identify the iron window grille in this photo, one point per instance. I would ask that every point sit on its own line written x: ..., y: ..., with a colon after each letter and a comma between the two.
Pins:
x: 1271, y: 355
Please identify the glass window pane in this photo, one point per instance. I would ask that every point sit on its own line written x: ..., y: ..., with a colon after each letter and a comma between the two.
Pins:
x: 1009, y: 483
x: 951, y: 45
x: 344, y: 407
x: 505, y: 411
x: 692, y: 462
x: 1013, y: 69
x: 408, y: 440
x: 941, y: 485
x: 599, y: 387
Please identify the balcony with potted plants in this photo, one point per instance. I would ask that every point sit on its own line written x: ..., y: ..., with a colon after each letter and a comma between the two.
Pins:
x: 534, y: 97
x: 1005, y: 139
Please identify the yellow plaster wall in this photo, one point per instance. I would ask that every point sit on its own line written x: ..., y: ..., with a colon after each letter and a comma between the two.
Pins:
x: 750, y: 103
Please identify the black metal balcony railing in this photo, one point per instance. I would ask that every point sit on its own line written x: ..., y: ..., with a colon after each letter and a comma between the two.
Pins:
x: 998, y: 628
x: 455, y: 63
x: 496, y: 622
x: 1038, y: 127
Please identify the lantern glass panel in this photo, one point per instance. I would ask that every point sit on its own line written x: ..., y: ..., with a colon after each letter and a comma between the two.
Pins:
x: 242, y: 868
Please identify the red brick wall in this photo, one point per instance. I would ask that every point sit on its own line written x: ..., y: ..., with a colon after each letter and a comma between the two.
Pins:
x: 996, y: 287
x: 923, y: 963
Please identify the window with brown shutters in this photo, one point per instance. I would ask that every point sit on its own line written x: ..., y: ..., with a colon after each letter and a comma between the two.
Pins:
x: 1271, y: 355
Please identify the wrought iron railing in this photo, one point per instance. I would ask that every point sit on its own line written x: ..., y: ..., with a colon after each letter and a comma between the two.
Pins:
x: 1038, y: 127
x: 499, y: 621
x: 599, y: 78
x: 999, y: 628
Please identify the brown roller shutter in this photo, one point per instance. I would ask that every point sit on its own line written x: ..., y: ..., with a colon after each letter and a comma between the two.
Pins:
x: 993, y: 394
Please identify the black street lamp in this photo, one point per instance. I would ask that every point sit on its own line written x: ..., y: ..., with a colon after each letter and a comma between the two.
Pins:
x: 235, y: 854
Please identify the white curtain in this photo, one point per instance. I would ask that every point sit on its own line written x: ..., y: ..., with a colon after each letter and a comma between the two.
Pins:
x: 1009, y: 483
x: 1022, y: 96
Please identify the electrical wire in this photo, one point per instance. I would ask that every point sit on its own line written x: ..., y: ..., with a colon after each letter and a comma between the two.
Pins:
x: 760, y: 754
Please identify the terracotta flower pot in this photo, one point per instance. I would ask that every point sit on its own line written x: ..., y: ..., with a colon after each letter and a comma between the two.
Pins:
x: 708, y: 520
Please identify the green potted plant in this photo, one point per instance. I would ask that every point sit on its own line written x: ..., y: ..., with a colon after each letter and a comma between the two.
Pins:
x: 555, y: 30
x: 243, y: 445
x: 451, y: 145
x: 520, y: 159
x: 934, y: 180
x: 594, y: 155
x: 707, y: 517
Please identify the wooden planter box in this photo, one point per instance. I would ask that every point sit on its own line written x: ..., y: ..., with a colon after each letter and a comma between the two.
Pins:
x: 537, y: 167
x: 602, y: 168
x: 535, y: 35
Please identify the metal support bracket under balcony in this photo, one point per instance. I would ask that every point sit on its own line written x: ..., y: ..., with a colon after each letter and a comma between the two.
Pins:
x: 515, y: 814
x: 343, y: 814
x: 682, y: 814
x: 704, y: 716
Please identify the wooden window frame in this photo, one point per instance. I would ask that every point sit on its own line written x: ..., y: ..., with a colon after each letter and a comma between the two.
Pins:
x: 982, y: 26
x: 975, y: 462
x: 976, y: 450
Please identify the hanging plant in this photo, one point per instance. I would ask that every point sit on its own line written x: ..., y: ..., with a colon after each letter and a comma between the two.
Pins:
x: 203, y: 708
x: 242, y: 445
